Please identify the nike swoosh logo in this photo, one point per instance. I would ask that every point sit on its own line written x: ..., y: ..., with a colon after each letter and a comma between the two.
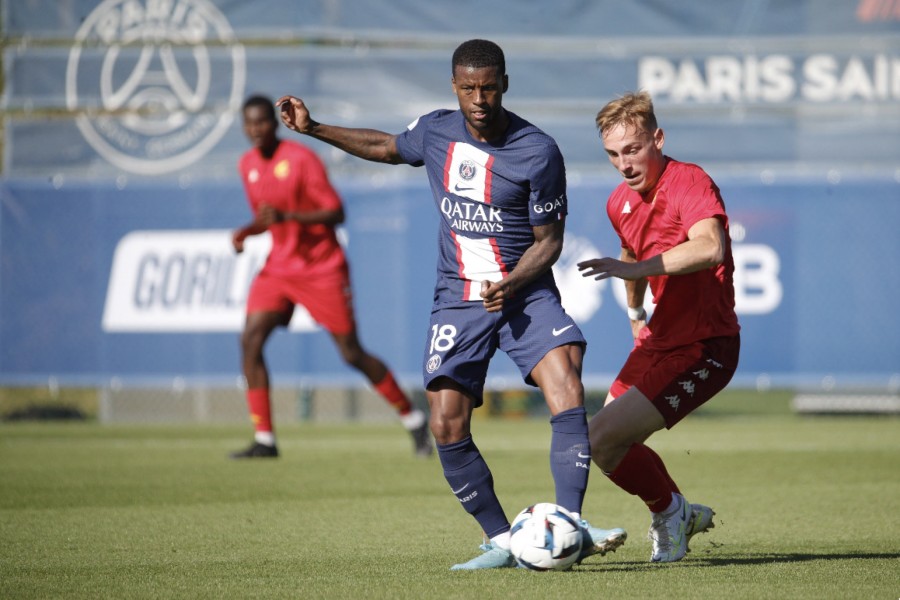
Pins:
x: 559, y: 331
x: 462, y: 189
x: 580, y: 455
x: 460, y: 489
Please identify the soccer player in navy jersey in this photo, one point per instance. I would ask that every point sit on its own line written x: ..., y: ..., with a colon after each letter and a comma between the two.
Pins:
x: 671, y: 220
x: 499, y: 184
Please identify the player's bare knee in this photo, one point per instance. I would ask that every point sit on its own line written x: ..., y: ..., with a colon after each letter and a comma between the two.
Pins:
x: 604, y: 443
x: 574, y: 392
x: 354, y: 357
x: 568, y: 394
x: 252, y: 342
x: 447, y: 429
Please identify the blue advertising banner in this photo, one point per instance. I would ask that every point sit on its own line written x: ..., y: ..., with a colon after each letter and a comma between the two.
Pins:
x: 141, y: 284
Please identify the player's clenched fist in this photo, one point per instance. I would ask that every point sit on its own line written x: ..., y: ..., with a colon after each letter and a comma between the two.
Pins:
x: 492, y: 295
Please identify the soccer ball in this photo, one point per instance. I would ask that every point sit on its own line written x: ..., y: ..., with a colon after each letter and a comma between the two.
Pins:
x: 545, y: 537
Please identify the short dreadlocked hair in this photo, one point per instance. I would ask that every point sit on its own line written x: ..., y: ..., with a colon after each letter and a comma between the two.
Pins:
x: 479, y: 54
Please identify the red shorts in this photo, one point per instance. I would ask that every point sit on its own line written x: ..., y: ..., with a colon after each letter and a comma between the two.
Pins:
x: 679, y: 380
x: 329, y: 300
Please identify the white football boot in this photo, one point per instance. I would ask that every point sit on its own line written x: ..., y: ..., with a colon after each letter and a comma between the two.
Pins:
x: 668, y: 532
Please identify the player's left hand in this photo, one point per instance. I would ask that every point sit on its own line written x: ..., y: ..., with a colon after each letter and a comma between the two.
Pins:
x: 294, y: 114
x: 492, y: 295
x: 604, y: 268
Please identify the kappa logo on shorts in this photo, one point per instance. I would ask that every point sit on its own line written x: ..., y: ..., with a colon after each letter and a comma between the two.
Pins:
x: 155, y: 81
x: 688, y: 386
x: 702, y: 374
x: 674, y: 401
x: 433, y: 364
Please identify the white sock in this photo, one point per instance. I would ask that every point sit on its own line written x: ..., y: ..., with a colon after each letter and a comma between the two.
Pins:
x: 413, y: 419
x: 674, y: 505
x: 266, y: 438
x: 501, y: 541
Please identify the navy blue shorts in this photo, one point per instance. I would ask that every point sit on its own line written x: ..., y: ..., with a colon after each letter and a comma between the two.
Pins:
x: 463, y: 337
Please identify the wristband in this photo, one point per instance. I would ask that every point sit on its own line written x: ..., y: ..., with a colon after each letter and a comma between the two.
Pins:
x: 637, y: 314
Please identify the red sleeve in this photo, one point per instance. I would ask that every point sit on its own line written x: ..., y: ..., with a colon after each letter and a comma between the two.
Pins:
x: 701, y: 200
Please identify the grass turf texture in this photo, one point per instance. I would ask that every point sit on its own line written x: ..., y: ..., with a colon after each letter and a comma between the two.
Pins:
x: 806, y: 509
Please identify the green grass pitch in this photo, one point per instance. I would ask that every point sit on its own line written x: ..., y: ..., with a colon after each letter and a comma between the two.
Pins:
x: 807, y: 507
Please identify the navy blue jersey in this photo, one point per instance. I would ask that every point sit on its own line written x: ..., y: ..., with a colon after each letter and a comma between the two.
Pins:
x: 490, y: 196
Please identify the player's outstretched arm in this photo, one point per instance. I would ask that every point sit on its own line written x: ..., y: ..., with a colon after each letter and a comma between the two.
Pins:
x: 369, y: 144
x: 704, y: 248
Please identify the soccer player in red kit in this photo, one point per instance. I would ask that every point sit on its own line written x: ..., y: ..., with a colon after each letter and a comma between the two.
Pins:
x: 672, y: 224
x: 290, y: 195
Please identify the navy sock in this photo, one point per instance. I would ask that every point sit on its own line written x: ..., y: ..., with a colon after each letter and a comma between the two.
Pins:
x: 570, y: 457
x: 473, y: 485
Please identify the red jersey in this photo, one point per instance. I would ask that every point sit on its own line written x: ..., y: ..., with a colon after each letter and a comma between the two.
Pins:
x: 294, y: 180
x: 690, y: 307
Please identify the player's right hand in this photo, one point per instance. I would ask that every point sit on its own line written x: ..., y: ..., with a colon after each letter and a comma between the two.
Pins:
x: 492, y: 295
x: 237, y: 241
x: 637, y: 327
x: 267, y: 215
x: 294, y: 113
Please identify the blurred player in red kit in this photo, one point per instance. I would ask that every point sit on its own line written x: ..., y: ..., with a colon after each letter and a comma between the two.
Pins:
x: 672, y: 224
x: 291, y: 197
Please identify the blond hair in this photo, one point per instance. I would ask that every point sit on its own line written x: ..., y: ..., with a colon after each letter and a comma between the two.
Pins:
x: 634, y: 109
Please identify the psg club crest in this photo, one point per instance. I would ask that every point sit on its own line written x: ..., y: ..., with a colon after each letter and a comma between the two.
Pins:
x: 155, y: 83
x: 467, y: 170
x: 434, y: 362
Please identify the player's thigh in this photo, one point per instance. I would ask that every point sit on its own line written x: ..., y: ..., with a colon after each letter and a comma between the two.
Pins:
x: 460, y: 343
x: 558, y: 375
x: 260, y: 324
x: 451, y: 408
x: 535, y: 325
x: 630, y: 418
x: 268, y: 307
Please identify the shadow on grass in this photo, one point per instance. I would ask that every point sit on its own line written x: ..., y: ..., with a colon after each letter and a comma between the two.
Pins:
x: 737, y: 560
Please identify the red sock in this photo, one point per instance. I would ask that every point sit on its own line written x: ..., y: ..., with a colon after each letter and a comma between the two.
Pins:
x: 662, y: 467
x: 388, y: 388
x: 638, y: 474
x: 260, y: 409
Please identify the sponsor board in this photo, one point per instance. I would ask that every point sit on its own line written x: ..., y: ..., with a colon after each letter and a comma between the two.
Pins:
x: 192, y: 281
x: 772, y: 78
x: 184, y: 281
